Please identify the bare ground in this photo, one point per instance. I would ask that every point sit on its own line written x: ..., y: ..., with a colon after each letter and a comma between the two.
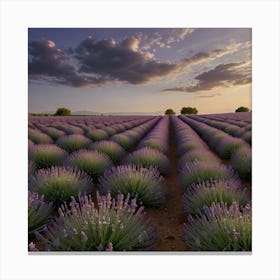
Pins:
x: 170, y: 217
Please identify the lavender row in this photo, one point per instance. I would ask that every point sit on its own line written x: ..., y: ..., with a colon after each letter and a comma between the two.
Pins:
x: 131, y: 137
x: 47, y: 155
x: 225, y: 119
x: 245, y: 117
x: 197, y: 163
x: 226, y: 146
x: 158, y: 138
x: 47, y: 134
x: 146, y: 156
x: 147, y: 185
x: 80, y: 120
x: 245, y: 133
x: 212, y: 192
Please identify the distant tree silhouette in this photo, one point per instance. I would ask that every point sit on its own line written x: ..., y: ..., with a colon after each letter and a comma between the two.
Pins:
x: 188, y: 110
x: 169, y: 112
x: 242, y: 109
x: 62, y: 112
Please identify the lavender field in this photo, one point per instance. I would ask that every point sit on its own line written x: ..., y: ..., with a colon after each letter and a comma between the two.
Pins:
x: 138, y: 183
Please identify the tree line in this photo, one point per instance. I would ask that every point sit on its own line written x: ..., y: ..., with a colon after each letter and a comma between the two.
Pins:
x: 193, y: 110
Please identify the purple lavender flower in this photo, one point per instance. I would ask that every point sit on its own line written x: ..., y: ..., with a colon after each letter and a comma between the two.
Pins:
x: 93, y: 163
x: 220, y: 228
x: 39, y: 213
x: 200, y: 171
x: 110, y: 148
x: 145, y: 184
x: 228, y: 145
x: 148, y: 157
x: 123, y: 140
x: 32, y: 247
x: 47, y: 155
x: 39, y: 137
x: 204, y: 194
x: 110, y: 247
x: 83, y: 227
x: 74, y: 130
x: 53, y: 132
x: 97, y: 134
x: 241, y: 161
x: 197, y: 155
x: 58, y: 184
x: 73, y: 142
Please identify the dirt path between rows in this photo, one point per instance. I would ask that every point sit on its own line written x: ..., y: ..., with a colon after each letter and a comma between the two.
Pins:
x: 169, y: 217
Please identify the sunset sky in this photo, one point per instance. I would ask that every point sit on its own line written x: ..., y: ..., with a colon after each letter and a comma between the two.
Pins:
x: 139, y: 70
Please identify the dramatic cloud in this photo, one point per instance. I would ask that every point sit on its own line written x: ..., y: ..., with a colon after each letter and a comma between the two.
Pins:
x: 48, y: 63
x: 94, y: 63
x: 224, y: 75
x: 119, y: 62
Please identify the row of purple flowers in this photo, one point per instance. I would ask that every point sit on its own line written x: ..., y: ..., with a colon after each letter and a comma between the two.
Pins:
x: 48, y: 132
x: 219, y: 212
x: 227, y: 147
x: 104, y: 226
x: 244, y: 133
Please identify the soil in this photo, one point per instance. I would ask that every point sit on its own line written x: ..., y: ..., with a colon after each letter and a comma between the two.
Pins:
x: 170, y: 217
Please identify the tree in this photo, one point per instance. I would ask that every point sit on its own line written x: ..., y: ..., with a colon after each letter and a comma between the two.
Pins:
x: 169, y: 112
x: 188, y: 110
x: 62, y: 112
x: 242, y: 109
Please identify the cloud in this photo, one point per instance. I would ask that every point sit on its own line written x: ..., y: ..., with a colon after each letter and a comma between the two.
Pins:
x: 94, y: 63
x: 210, y: 95
x: 164, y: 38
x: 201, y: 57
x: 48, y: 63
x: 224, y: 75
x: 119, y: 62
x: 130, y: 43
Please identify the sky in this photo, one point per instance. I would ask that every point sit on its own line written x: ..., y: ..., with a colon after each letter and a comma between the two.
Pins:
x: 139, y: 70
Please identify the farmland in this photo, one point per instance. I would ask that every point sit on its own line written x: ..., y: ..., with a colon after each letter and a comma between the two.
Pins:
x: 138, y: 183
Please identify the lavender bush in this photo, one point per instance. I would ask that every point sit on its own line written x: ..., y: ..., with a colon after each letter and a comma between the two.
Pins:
x: 58, y: 184
x: 110, y: 130
x: 197, y: 172
x: 73, y: 142
x: 123, y: 140
x: 47, y: 155
x: 145, y: 184
x: 38, y: 137
x: 241, y: 161
x: 93, y: 163
x: 54, y: 133
x: 97, y: 134
x: 114, y: 225
x: 204, y: 194
x: 197, y: 155
x: 247, y: 136
x: 220, y: 228
x: 227, y: 146
x: 74, y: 130
x: 31, y: 167
x: 148, y: 157
x: 39, y: 213
x: 110, y: 148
